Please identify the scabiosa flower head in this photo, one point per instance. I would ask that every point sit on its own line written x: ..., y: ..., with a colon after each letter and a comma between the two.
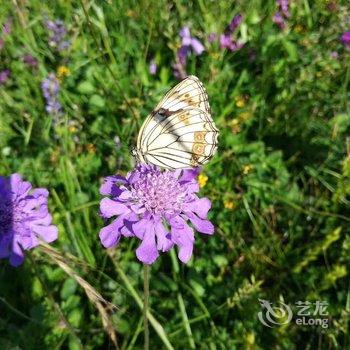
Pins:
x: 345, y: 39
x: 4, y: 75
x: 155, y: 206
x: 50, y: 87
x: 57, y: 34
x: 24, y: 218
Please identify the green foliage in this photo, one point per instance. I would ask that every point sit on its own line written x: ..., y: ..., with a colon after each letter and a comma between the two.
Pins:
x: 279, y: 184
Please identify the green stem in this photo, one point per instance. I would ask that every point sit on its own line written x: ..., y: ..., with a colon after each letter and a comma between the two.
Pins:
x: 146, y: 273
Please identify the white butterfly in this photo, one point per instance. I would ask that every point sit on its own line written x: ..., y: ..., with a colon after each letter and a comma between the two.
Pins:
x: 180, y: 132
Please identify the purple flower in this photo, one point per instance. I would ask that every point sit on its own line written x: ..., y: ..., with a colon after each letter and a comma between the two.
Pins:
x: 279, y: 20
x: 190, y: 42
x: 212, y: 37
x: 345, y: 39
x: 152, y: 67
x: 6, y: 29
x: 30, y: 61
x: 57, y: 34
x: 226, y: 40
x: 4, y: 75
x: 282, y: 15
x: 155, y: 206
x: 50, y: 88
x: 236, y: 21
x: 24, y: 218
x: 334, y: 54
x: 284, y: 7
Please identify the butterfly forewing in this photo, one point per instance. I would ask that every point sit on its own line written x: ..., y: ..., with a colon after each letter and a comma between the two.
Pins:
x: 180, y: 132
x: 190, y: 92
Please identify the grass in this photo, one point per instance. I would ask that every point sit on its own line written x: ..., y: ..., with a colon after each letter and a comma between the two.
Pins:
x: 279, y: 184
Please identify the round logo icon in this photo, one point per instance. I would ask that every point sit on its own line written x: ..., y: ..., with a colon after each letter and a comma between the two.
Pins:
x: 272, y: 316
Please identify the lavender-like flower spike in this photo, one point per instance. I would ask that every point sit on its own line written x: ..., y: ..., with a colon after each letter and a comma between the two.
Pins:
x: 282, y: 15
x: 155, y: 206
x: 226, y: 40
x: 57, y: 34
x: 24, y: 218
x: 50, y: 88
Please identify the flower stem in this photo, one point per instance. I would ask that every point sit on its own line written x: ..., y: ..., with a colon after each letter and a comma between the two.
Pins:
x: 146, y: 275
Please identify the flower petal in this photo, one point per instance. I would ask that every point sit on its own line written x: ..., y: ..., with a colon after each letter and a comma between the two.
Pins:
x: 109, y: 208
x: 47, y: 233
x: 164, y: 243
x: 16, y: 257
x: 110, y: 185
x: 110, y: 235
x: 203, y: 226
x: 147, y: 251
x: 197, y: 46
x: 199, y: 206
x: 183, y: 236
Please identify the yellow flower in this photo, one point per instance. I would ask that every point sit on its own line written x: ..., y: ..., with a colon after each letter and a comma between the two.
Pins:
x: 73, y: 129
x: 299, y: 28
x: 202, y: 180
x: 241, y: 100
x: 244, y: 116
x: 247, y: 169
x: 229, y: 204
x: 62, y: 71
x: 91, y: 148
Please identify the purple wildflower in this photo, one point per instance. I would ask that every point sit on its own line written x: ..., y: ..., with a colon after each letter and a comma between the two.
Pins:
x: 154, y: 206
x: 24, y: 218
x: 212, y: 37
x: 226, y: 40
x: 50, y: 88
x: 284, y: 7
x: 345, y: 39
x: 236, y: 21
x: 188, y: 44
x: 6, y: 29
x: 152, y: 67
x: 30, y: 61
x: 57, y: 34
x: 4, y: 75
x: 281, y: 16
x: 334, y: 54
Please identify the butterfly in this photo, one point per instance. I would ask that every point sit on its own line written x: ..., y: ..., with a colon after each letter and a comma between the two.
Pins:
x: 180, y: 132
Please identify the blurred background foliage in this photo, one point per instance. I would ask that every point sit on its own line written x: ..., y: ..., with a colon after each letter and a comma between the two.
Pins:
x: 279, y: 184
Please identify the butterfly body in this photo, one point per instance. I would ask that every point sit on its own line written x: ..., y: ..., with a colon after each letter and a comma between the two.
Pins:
x: 180, y: 132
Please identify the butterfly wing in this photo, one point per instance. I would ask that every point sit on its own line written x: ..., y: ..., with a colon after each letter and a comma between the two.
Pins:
x: 190, y: 92
x: 180, y: 132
